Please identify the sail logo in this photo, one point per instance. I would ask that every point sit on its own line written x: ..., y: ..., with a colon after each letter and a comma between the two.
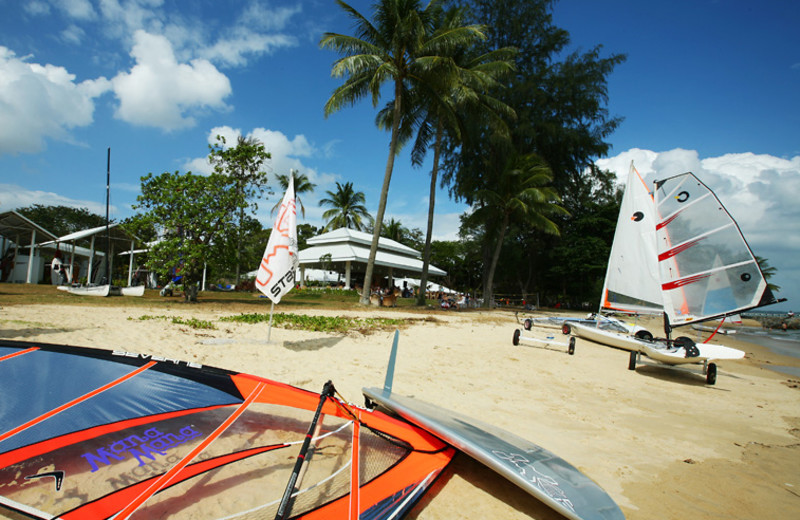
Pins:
x: 150, y: 443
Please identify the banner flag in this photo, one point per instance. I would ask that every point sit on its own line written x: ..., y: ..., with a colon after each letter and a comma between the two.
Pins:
x: 276, y: 274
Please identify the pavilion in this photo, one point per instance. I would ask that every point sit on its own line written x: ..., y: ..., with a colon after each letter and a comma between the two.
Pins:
x: 17, y: 231
x: 347, y: 250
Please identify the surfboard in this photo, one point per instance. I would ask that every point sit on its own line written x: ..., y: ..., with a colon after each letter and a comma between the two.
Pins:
x: 539, y: 472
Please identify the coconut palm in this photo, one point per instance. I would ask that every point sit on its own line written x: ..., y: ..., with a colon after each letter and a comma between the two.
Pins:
x: 401, y: 47
x: 520, y: 192
x: 301, y: 185
x: 347, y: 209
x: 461, y: 95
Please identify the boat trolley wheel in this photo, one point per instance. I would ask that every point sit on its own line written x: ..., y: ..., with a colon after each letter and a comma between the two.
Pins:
x: 566, y: 329
x: 711, y: 374
x: 527, y: 324
x: 515, y: 340
x: 571, y: 349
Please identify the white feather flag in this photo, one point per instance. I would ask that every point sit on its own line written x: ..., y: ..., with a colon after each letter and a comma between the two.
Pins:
x: 276, y: 274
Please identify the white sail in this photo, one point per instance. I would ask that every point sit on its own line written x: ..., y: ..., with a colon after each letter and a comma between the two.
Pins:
x: 632, y: 284
x: 707, y: 269
x: 276, y: 274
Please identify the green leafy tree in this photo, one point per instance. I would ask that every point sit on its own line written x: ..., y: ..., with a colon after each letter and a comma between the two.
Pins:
x: 62, y: 220
x: 301, y: 185
x: 193, y: 212
x: 347, y: 208
x: 768, y: 271
x: 243, y: 164
x: 399, y: 47
x: 521, y: 193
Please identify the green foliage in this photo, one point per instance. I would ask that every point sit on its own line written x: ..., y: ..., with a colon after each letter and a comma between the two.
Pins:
x: 347, y: 209
x: 400, y: 48
x: 193, y: 212
x: 317, y: 323
x: 62, y: 220
x: 301, y: 185
x: 193, y: 323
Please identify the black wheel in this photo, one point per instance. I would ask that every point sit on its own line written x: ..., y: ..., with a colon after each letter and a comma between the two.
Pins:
x: 566, y: 329
x: 711, y: 374
x: 527, y: 324
x: 644, y: 334
x: 515, y: 341
x: 571, y: 349
x: 632, y: 360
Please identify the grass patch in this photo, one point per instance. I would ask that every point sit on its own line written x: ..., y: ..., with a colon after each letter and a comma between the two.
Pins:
x: 319, y: 323
x: 193, y: 323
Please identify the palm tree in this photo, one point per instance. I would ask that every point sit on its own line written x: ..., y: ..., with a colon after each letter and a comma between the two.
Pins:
x: 459, y: 96
x: 521, y: 193
x: 301, y: 185
x: 768, y: 271
x: 347, y: 208
x: 394, y: 230
x: 399, y: 47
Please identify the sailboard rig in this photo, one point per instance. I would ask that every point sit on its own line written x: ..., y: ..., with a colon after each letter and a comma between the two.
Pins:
x: 94, y: 434
x: 105, y: 287
x: 677, y: 251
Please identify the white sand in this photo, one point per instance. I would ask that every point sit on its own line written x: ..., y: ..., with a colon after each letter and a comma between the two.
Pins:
x: 660, y: 441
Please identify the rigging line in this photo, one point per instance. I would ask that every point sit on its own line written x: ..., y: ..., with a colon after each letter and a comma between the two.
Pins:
x: 21, y: 352
x: 75, y: 401
x: 165, y: 479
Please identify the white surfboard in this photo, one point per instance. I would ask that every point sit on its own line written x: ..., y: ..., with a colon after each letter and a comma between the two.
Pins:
x: 536, y: 470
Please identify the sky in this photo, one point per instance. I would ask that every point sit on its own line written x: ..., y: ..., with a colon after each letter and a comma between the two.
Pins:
x: 709, y: 86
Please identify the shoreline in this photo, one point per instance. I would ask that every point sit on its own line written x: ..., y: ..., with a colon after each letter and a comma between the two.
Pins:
x: 659, y: 441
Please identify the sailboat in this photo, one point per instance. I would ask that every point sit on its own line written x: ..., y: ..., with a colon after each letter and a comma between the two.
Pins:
x: 679, y: 253
x: 106, y: 289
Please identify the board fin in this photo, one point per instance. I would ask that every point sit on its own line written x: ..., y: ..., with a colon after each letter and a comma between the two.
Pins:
x: 387, y: 383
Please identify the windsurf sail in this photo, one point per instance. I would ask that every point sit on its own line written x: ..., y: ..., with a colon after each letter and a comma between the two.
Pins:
x: 94, y: 434
x: 706, y: 267
x: 276, y: 273
x: 632, y: 284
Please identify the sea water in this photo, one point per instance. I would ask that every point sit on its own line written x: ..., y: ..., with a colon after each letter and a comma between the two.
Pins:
x: 785, y: 343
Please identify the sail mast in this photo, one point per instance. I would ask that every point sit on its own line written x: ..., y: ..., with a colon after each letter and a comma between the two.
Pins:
x: 108, y: 196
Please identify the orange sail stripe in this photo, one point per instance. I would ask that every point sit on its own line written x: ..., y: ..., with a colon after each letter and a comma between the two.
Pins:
x: 75, y: 401
x: 169, y: 475
x: 9, y: 356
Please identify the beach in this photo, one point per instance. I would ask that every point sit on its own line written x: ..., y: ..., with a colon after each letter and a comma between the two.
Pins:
x: 658, y: 440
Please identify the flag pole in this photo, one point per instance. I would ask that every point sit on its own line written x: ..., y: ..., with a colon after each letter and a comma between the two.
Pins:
x: 269, y: 329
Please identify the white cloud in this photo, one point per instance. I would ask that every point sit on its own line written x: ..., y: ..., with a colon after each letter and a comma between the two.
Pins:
x: 759, y: 191
x: 38, y: 102
x: 13, y: 196
x: 161, y: 92
x: 77, y: 9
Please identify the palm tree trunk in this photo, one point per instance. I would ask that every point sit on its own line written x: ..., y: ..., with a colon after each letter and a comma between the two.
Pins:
x: 387, y: 177
x: 489, y: 281
x: 426, y: 255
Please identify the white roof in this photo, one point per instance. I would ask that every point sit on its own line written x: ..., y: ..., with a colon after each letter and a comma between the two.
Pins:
x: 345, y: 245
x: 116, y: 234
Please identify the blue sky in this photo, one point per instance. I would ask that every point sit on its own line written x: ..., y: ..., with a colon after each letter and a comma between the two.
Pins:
x: 709, y: 86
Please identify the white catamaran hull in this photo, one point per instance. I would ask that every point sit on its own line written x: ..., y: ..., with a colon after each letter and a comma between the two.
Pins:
x: 137, y: 290
x: 92, y: 290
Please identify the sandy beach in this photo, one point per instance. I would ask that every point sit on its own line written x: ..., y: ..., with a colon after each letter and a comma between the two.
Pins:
x: 660, y: 441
